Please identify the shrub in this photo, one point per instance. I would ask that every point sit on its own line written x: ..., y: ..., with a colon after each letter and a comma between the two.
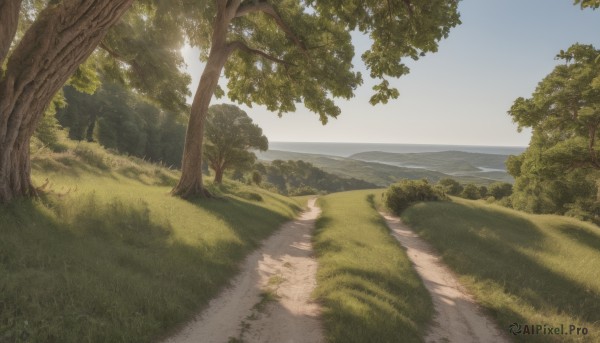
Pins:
x: 500, y: 190
x: 303, y: 190
x: 471, y: 192
x: 450, y: 186
x: 401, y: 195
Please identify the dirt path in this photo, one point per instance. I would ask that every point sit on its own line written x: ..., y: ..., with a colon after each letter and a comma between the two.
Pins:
x: 270, y: 300
x: 458, y: 318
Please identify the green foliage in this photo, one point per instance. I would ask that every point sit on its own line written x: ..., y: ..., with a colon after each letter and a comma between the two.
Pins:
x: 300, y: 51
x: 229, y: 135
x: 299, y: 177
x: 450, y: 186
x: 470, y: 191
x: 559, y: 171
x: 365, y: 282
x: 401, y: 195
x: 518, y: 265
x: 143, y: 51
x: 256, y: 178
x: 500, y: 190
x: 121, y: 120
x: 594, y: 4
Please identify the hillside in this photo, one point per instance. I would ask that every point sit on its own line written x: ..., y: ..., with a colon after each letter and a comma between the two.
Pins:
x: 534, y: 269
x: 377, y: 173
x: 107, y: 255
x: 448, y: 162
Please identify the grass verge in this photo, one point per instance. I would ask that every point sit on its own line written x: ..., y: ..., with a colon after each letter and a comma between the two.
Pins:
x: 365, y: 281
x: 528, y: 269
x: 108, y: 256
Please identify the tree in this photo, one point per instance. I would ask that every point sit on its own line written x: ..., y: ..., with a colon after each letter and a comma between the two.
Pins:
x: 281, y: 53
x: 230, y: 134
x: 558, y: 172
x: 44, y: 44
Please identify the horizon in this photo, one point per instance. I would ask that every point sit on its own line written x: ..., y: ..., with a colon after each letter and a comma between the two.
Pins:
x: 379, y: 143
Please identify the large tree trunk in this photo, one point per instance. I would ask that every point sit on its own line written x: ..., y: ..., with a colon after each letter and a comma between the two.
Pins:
x: 60, y: 39
x: 190, y: 183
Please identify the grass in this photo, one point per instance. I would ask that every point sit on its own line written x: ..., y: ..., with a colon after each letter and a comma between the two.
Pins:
x: 528, y: 269
x: 365, y: 282
x: 108, y: 256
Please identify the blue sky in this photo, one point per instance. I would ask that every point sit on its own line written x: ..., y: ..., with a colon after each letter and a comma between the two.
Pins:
x: 459, y: 95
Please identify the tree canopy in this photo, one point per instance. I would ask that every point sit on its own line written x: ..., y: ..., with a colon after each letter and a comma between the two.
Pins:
x: 230, y: 134
x: 558, y: 171
x: 300, y: 51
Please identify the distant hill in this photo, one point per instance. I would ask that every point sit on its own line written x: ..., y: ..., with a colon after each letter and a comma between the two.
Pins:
x: 449, y: 162
x: 381, y: 174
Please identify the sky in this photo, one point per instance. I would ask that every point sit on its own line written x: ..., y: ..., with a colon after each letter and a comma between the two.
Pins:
x: 459, y: 95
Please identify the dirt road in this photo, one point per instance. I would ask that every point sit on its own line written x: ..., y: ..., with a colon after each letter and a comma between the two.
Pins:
x: 270, y: 300
x: 458, y: 318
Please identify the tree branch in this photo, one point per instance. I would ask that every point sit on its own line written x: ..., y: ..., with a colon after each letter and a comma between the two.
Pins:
x: 251, y: 6
x: 9, y: 20
x: 242, y: 46
x: 131, y: 62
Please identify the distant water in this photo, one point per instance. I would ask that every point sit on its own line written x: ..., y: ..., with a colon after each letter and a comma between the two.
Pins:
x: 347, y: 149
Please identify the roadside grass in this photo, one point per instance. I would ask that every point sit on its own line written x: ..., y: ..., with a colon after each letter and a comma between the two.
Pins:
x: 528, y: 269
x: 107, y: 255
x: 365, y: 281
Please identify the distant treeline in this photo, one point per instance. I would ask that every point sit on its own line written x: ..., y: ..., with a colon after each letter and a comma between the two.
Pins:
x: 119, y: 119
x: 302, y: 178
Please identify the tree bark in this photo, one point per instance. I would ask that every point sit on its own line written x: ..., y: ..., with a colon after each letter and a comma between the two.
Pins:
x: 190, y: 184
x: 9, y: 21
x: 60, y: 39
x: 219, y: 175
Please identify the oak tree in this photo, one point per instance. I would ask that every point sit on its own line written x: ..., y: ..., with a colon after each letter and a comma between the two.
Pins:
x: 230, y: 135
x: 281, y: 53
x: 35, y: 67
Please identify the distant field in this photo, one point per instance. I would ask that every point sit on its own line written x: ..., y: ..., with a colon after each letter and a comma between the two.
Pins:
x: 365, y: 281
x: 378, y: 173
x: 110, y: 256
x: 528, y: 269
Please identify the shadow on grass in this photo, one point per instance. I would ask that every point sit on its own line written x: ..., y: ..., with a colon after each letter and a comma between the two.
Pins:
x: 366, y: 283
x: 582, y: 235
x: 489, y: 246
x: 85, y: 270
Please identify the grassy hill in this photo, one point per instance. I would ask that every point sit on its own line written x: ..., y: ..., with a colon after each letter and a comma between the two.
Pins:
x: 528, y: 269
x: 366, y: 283
x: 107, y: 255
x: 377, y: 173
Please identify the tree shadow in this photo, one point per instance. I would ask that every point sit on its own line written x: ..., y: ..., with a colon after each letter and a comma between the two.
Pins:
x: 81, y: 269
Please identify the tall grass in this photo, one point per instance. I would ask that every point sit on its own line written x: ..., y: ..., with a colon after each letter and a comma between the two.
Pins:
x: 528, y: 269
x: 108, y: 256
x: 365, y: 281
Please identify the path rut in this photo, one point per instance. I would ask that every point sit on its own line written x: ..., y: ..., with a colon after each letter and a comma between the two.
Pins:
x: 270, y: 300
x: 458, y: 317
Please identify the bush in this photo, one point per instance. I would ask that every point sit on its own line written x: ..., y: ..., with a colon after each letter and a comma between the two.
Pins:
x: 303, y: 190
x: 471, y: 192
x: 401, y: 195
x: 500, y: 190
x: 450, y: 186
